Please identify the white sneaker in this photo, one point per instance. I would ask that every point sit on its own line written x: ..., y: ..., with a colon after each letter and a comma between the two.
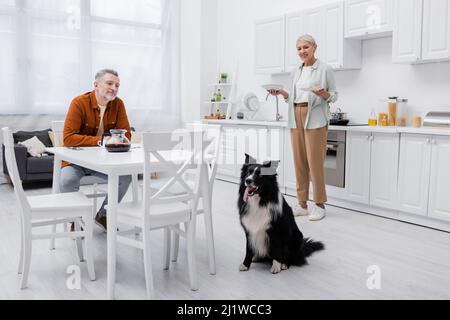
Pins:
x: 317, y: 213
x: 299, y: 211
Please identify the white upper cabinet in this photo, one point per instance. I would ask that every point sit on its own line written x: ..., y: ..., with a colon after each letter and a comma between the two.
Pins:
x: 340, y: 53
x: 368, y: 18
x: 294, y: 29
x: 326, y: 25
x: 314, y: 26
x: 269, y: 45
x: 421, y: 31
x: 407, y: 31
x: 436, y: 30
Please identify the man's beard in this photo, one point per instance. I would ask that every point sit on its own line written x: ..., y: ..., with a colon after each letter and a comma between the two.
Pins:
x: 110, y: 97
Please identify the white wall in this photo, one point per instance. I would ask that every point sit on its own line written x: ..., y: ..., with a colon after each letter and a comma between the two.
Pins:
x: 198, y: 55
x: 426, y: 86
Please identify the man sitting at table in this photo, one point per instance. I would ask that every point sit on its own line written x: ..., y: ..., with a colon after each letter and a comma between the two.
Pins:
x: 89, y: 116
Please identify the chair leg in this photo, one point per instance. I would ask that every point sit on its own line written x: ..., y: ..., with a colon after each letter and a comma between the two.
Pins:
x: 207, y: 218
x: 27, y: 247
x: 148, y: 263
x: 175, y: 245
x: 22, y: 243
x: 52, y: 240
x: 79, y: 242
x: 88, y: 224
x: 191, y: 256
x: 166, y: 257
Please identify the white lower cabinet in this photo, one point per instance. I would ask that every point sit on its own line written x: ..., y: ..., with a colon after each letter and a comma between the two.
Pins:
x: 357, y: 166
x: 439, y: 195
x: 414, y: 173
x: 290, y: 180
x: 371, y: 168
x: 384, y: 170
x: 261, y: 142
x: 424, y: 177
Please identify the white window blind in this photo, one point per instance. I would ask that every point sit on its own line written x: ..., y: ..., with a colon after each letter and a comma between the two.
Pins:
x: 51, y: 50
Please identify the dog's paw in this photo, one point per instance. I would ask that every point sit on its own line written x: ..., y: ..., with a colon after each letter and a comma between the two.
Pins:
x: 284, y: 267
x: 276, y: 267
x: 243, y: 268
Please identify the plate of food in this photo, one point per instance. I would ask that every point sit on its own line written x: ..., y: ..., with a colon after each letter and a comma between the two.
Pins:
x: 272, y: 86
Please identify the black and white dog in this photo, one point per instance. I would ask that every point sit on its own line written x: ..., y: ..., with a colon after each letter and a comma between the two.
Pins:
x: 269, y: 224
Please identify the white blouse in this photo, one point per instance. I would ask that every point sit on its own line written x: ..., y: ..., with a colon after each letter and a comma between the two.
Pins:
x: 304, y: 82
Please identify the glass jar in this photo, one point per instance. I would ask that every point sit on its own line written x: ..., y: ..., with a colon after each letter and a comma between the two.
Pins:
x: 402, y: 112
x: 416, y: 121
x: 118, y: 141
x: 392, y: 111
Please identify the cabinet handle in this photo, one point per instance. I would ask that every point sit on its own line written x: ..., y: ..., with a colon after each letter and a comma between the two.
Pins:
x: 367, y: 137
x: 428, y: 140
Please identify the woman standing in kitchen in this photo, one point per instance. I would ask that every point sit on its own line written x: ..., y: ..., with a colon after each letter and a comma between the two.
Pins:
x: 312, y: 88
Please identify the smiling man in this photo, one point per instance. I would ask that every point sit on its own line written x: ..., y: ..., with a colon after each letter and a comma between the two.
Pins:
x: 89, y: 116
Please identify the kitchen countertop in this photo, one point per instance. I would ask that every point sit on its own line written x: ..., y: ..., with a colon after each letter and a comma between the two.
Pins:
x: 283, y: 124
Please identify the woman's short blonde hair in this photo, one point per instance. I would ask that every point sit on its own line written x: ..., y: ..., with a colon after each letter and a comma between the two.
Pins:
x: 307, y: 38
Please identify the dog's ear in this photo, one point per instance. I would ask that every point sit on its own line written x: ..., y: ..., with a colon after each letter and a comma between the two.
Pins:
x: 249, y: 159
x: 269, y: 168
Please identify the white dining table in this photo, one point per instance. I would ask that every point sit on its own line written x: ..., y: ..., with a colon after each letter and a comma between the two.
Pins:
x: 115, y: 164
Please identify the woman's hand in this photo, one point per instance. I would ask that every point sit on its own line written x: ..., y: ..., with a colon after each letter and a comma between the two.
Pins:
x: 321, y: 92
x: 276, y: 92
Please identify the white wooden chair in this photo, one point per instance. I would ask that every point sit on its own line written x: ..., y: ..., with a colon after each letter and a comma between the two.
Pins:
x: 213, y: 134
x: 162, y: 209
x: 47, y: 210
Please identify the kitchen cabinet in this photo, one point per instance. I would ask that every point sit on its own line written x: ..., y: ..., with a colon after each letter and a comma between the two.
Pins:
x: 290, y: 180
x: 424, y: 175
x: 340, y: 53
x: 269, y: 45
x: 325, y: 24
x: 294, y: 29
x: 439, y: 204
x: 407, y: 31
x: 357, y: 166
x: 436, y: 30
x: 371, y: 168
x: 365, y: 19
x: 384, y: 169
x: 414, y: 173
x: 262, y: 142
x: 421, y: 31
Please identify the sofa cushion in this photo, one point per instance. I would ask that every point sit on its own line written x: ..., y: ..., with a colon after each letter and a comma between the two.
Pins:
x: 40, y: 165
x: 42, y: 135
x: 34, y: 146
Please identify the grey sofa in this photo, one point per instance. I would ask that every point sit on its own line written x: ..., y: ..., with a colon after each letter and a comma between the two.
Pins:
x: 31, y: 169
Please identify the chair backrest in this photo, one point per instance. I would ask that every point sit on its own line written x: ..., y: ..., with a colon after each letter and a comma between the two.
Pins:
x: 174, y: 158
x: 13, y: 171
x: 58, y: 129
x: 214, y: 134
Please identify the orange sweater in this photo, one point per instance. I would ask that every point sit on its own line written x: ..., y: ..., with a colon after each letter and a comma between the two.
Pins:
x: 83, y: 119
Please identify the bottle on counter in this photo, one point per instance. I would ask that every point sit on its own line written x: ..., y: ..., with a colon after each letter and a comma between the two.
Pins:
x: 372, y: 118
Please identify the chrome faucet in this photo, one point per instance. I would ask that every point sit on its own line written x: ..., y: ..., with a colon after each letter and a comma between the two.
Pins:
x: 278, y: 116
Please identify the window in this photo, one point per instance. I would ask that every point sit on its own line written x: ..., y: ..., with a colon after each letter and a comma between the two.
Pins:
x: 51, y: 50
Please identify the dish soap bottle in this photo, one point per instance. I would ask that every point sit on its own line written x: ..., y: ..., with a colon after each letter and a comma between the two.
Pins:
x: 372, y: 118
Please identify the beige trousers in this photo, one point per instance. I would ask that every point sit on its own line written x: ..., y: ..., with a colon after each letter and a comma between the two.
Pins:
x: 309, y: 150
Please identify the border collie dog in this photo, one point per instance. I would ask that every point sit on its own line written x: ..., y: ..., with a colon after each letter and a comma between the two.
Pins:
x: 269, y: 224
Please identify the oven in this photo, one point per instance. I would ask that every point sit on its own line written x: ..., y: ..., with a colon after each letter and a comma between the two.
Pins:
x: 335, y: 159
